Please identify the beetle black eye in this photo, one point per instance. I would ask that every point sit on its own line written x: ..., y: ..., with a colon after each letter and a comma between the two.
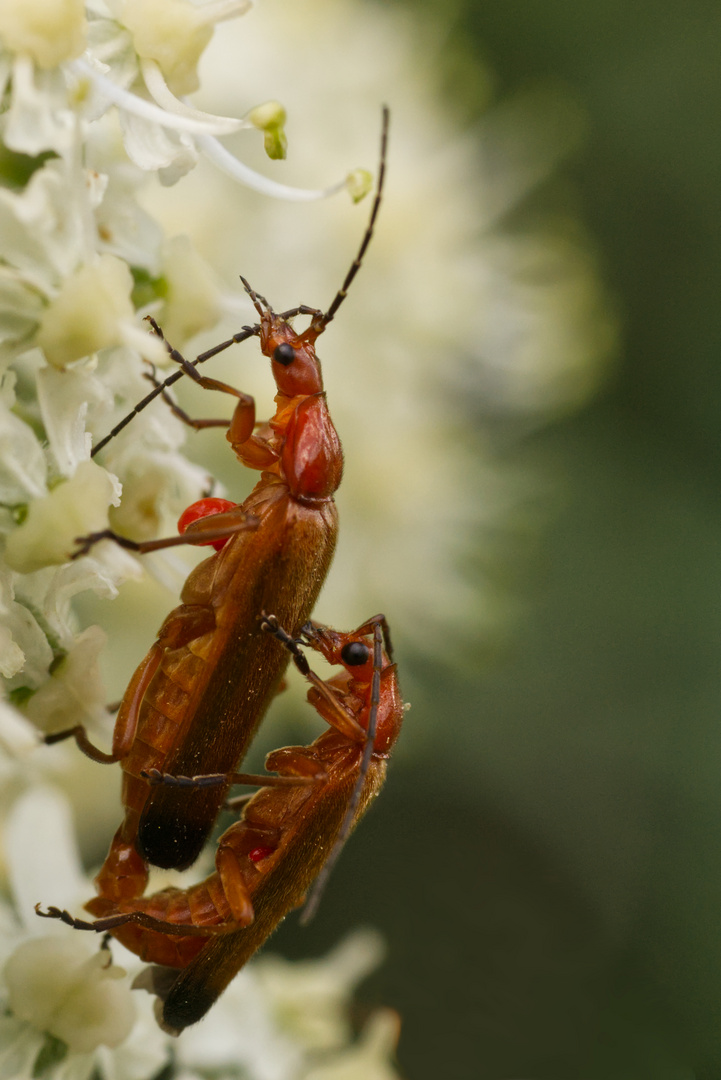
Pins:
x: 284, y: 354
x: 355, y: 653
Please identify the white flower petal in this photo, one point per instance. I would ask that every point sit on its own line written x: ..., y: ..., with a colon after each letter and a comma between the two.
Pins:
x: 156, y: 487
x: 74, y: 1067
x: 48, y: 31
x: 43, y: 859
x: 20, y: 307
x: 75, y: 692
x: 64, y: 986
x: 17, y: 736
x: 214, y: 11
x: 193, y: 299
x: 91, y: 306
x: 151, y: 348
x: 23, y: 468
x: 107, y: 567
x: 310, y: 998
x: 239, y: 1032
x: 172, y: 32
x: 151, y: 147
x: 22, y: 630
x: 73, y: 508
x: 12, y: 658
x: 42, y: 228
x: 145, y: 1052
x: 64, y: 398
x: 124, y: 228
x: 20, y: 1044
x: 110, y: 46
x: 368, y: 1059
x: 185, y: 159
x: 38, y: 118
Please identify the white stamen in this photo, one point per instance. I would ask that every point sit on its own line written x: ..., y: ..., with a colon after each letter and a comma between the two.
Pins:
x: 158, y: 89
x: 194, y: 125
x: 221, y: 157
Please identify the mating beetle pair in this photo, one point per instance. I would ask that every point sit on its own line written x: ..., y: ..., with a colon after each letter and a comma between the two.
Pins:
x: 193, y: 705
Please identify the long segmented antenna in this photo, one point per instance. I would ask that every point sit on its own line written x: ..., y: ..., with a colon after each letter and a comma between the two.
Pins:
x: 343, y: 291
x: 242, y: 335
x: 321, y: 881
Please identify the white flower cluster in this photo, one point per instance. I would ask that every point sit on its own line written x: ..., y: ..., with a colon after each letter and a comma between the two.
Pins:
x: 79, y: 256
x: 91, y: 105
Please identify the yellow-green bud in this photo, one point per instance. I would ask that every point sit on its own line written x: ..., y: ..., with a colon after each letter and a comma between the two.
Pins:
x: 174, y: 34
x: 358, y: 183
x: 270, y: 119
x: 85, y: 315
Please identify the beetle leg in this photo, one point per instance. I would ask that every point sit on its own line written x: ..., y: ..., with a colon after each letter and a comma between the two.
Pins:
x: 126, y: 724
x: 176, y: 410
x: 198, y: 533
x: 242, y: 335
x: 234, y: 886
x: 270, y: 624
x: 157, y: 778
x: 335, y: 713
x: 140, y: 918
x: 295, y: 762
x: 254, y: 450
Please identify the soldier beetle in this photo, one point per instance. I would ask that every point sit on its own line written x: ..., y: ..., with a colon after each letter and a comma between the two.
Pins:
x: 286, y: 837
x: 194, y: 703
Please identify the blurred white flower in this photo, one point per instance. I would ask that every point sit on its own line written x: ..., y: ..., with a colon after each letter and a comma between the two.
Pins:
x: 66, y: 1004
x: 240, y: 1033
x: 300, y: 1009
x: 310, y: 998
x: 369, y: 1059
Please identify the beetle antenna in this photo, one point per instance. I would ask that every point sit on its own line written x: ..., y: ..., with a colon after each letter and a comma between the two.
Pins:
x: 259, y: 302
x: 321, y: 881
x: 343, y: 291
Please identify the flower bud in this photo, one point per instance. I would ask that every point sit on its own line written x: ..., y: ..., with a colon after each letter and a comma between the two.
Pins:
x: 48, y: 31
x: 86, y: 314
x: 73, y: 508
x: 270, y: 119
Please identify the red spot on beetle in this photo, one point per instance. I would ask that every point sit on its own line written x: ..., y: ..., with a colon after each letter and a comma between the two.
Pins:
x: 201, y: 509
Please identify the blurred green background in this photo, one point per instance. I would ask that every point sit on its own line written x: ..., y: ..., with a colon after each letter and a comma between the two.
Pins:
x: 550, y: 878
